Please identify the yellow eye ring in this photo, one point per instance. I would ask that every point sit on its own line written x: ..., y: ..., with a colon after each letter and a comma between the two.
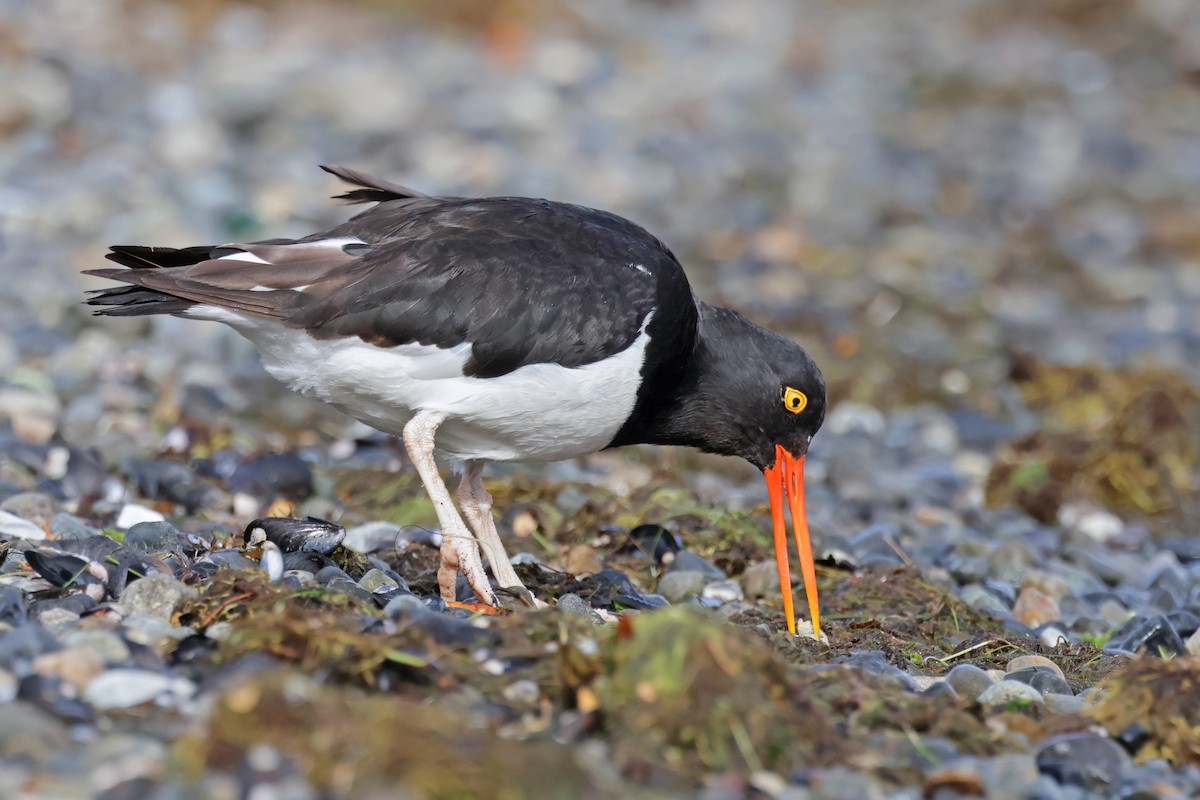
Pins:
x: 794, y: 400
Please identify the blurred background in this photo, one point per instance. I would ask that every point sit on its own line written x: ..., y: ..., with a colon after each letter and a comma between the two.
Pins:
x: 936, y: 197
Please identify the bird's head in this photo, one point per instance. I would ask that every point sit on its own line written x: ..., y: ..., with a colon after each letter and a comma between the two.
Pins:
x: 764, y: 398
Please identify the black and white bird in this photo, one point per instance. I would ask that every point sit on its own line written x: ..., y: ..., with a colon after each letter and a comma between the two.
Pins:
x: 500, y: 329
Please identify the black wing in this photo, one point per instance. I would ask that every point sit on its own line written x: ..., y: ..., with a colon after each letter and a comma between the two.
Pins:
x: 523, y: 281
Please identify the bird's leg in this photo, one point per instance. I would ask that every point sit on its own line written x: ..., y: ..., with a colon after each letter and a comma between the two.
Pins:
x: 476, y: 506
x: 460, y: 552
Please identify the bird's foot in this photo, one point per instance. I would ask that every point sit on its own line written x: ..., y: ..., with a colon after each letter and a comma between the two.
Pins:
x: 460, y: 553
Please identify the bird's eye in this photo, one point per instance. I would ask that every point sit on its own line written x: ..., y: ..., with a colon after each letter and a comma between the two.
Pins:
x: 794, y: 400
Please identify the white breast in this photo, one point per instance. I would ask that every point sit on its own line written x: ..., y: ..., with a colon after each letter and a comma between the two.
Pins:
x: 539, y: 412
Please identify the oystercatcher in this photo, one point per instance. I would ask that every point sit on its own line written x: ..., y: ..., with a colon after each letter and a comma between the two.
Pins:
x: 500, y: 329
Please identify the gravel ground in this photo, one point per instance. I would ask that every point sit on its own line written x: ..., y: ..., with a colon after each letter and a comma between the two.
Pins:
x: 982, y: 218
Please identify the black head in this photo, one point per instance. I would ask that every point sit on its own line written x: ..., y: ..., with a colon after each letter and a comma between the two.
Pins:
x: 748, y: 390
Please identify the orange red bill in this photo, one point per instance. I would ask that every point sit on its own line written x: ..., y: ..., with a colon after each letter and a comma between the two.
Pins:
x: 785, y: 479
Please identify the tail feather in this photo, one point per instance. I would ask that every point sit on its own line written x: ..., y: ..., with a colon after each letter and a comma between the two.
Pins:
x: 136, y: 301
x: 375, y: 190
x: 138, y: 257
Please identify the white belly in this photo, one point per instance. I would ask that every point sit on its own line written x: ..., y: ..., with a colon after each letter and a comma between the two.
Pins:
x: 539, y: 412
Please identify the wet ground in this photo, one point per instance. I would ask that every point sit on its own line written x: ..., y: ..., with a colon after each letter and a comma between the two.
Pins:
x: 982, y: 219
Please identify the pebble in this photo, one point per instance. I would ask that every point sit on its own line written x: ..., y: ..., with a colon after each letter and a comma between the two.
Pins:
x: 728, y: 591
x: 969, y: 681
x: 152, y: 537
x: 761, y: 579
x: 125, y: 688
x: 13, y: 526
x: 156, y: 595
x: 687, y: 561
x: 576, y: 606
x: 1087, y: 760
x: 1033, y: 608
x: 1007, y: 693
x: 371, y: 537
x: 131, y: 514
x: 1032, y: 660
x: 679, y: 585
x: 1043, y: 679
x: 374, y: 580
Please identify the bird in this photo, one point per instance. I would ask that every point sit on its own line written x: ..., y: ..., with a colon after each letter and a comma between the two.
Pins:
x: 500, y: 329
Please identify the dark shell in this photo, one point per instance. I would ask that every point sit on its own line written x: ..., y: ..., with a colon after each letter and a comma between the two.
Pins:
x: 299, y: 535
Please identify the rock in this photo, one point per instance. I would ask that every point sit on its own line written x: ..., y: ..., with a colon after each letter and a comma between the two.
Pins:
x: 35, y: 507
x: 1099, y: 526
x: 27, y: 732
x: 687, y: 561
x: 576, y: 606
x: 581, y: 559
x: 12, y: 606
x: 373, y: 536
x: 131, y: 514
x: 375, y: 579
x: 1027, y: 661
x: 18, y: 648
x: 108, y: 644
x: 153, y: 632
x: 1009, y: 693
x: 1063, y: 703
x: 1049, y: 584
x: 1034, y: 608
x: 679, y: 586
x: 727, y: 591
x: 1087, y: 760
x: 156, y: 595
x: 761, y: 579
x: 75, y: 665
x: 65, y: 526
x: 969, y: 681
x: 15, y: 527
x: 126, y: 688
x: 1041, y: 678
x: 980, y: 598
x: 152, y: 537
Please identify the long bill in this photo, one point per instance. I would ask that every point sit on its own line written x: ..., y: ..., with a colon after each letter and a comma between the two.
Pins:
x: 786, y: 478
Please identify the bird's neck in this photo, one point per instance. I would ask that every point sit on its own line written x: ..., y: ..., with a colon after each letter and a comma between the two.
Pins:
x: 682, y: 400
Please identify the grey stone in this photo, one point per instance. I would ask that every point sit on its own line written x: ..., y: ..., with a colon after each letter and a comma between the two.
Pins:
x: 126, y: 688
x: 1063, y: 703
x: 687, y: 561
x: 27, y: 732
x: 109, y: 644
x: 16, y: 527
x: 678, y: 586
x: 152, y: 537
x: 1004, y: 693
x: 156, y: 595
x: 576, y: 606
x: 65, y: 526
x: 375, y: 579
x: 728, y: 591
x: 978, y: 597
x: 1088, y: 760
x: 372, y: 536
x: 35, y: 507
x: 969, y: 681
x: 761, y: 579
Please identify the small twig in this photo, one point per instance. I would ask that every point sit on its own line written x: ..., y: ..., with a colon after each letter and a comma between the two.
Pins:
x: 970, y: 649
x: 212, y: 615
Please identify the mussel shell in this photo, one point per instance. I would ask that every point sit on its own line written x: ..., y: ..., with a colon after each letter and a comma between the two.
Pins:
x: 61, y: 569
x: 299, y: 535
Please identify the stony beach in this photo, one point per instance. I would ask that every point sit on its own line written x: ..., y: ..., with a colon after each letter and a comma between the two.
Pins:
x: 983, y: 220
